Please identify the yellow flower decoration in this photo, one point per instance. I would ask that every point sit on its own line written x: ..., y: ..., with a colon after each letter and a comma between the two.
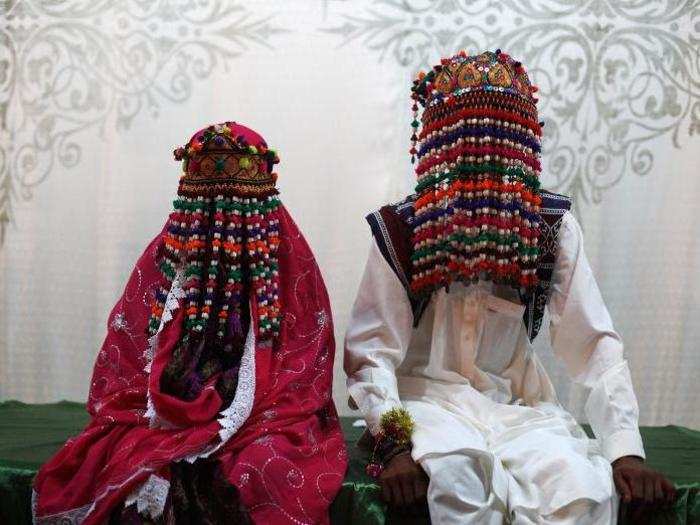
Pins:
x: 398, y: 424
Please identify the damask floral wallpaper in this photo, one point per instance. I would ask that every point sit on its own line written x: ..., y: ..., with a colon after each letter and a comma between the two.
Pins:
x: 613, y: 75
x: 95, y: 95
x: 69, y: 67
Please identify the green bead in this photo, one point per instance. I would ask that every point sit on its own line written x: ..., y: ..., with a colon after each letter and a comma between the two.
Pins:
x: 220, y: 163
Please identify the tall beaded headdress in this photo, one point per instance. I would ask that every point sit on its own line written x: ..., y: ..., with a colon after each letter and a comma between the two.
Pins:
x: 477, y: 195
x: 222, y: 238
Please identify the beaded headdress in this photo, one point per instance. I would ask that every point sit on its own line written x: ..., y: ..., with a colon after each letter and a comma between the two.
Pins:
x: 222, y: 238
x: 477, y: 195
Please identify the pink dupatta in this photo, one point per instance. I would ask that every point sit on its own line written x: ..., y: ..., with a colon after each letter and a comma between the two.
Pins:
x: 278, y: 442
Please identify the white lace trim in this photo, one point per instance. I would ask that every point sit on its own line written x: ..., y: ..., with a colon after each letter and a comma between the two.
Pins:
x: 239, y: 410
x: 172, y: 303
x: 70, y: 517
x: 150, y: 496
x: 77, y: 515
x: 154, y: 420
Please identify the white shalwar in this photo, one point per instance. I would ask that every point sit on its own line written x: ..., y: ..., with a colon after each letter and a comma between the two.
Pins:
x: 489, y: 431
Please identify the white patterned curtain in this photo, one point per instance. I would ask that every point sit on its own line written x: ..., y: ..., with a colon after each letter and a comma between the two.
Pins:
x: 95, y: 94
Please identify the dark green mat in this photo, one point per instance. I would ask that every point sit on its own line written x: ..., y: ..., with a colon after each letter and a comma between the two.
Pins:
x: 29, y: 434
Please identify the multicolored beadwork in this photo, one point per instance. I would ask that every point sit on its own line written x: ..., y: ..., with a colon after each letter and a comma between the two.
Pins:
x: 477, y: 206
x: 223, y: 237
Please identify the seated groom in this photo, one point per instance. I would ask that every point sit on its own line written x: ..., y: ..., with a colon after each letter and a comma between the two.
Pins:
x: 439, y: 352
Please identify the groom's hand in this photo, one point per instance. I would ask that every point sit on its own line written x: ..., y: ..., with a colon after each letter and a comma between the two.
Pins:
x: 638, y: 484
x: 403, y: 481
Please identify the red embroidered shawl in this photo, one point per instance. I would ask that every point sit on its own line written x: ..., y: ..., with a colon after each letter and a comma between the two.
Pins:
x: 278, y: 442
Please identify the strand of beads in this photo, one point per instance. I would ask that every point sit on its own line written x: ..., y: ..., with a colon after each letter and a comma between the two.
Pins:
x: 479, y: 134
x: 173, y: 242
x: 231, y: 315
x: 214, y: 268
x: 262, y: 241
x: 478, y: 153
x: 194, y: 247
x: 486, y: 115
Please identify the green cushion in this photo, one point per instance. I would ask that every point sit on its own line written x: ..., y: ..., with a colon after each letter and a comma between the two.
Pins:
x: 30, y: 434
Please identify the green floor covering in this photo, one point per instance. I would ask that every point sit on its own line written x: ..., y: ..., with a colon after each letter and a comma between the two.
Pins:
x: 30, y: 434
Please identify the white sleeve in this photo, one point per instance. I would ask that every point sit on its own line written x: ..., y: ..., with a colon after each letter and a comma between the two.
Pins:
x: 583, y: 336
x: 377, y: 339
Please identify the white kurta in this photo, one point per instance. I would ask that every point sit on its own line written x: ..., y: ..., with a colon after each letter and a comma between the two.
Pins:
x: 490, y: 433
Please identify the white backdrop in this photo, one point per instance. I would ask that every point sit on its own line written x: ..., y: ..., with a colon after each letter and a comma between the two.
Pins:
x: 94, y: 95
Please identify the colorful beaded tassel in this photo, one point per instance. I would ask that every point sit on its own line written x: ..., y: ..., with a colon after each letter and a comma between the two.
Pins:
x: 223, y: 237
x: 476, y: 212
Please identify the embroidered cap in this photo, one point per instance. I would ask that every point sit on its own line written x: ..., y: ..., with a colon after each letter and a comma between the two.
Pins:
x: 488, y: 72
x: 227, y: 159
